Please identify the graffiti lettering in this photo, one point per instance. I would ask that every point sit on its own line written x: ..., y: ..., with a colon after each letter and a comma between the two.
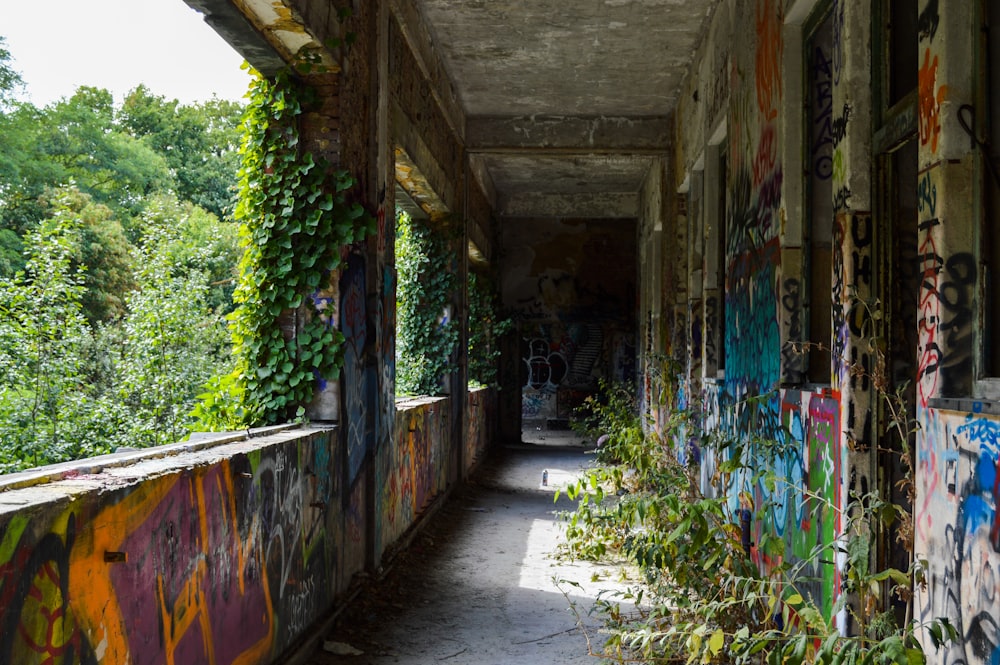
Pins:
x: 768, y: 57
x: 928, y: 22
x: 931, y: 96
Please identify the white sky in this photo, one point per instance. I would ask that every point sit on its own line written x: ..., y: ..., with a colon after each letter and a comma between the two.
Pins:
x: 59, y: 45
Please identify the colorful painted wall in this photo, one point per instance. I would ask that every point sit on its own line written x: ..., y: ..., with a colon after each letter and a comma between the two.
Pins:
x: 867, y: 217
x: 413, y: 471
x: 957, y: 528
x: 221, y: 556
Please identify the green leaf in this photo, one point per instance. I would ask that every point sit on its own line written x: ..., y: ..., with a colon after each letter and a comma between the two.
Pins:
x: 716, y: 642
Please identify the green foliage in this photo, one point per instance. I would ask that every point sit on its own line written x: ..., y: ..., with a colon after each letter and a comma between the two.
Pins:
x: 485, y: 329
x: 295, y: 220
x: 42, y: 336
x: 71, y: 388
x: 112, y: 290
x: 426, y: 334
x: 703, y: 598
x: 198, y: 142
x: 10, y: 79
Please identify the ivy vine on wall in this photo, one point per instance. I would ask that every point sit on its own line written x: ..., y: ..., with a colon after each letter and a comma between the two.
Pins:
x: 426, y: 332
x: 295, y: 219
x: 486, y: 326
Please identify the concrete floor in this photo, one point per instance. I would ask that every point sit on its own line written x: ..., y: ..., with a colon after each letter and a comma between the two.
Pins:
x: 478, y: 586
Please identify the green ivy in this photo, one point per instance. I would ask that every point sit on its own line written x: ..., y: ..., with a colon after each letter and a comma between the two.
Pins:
x: 426, y: 336
x: 485, y: 329
x: 295, y: 219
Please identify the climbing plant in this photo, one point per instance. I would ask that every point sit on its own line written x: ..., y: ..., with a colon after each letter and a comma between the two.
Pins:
x: 426, y: 334
x: 295, y: 220
x: 486, y: 326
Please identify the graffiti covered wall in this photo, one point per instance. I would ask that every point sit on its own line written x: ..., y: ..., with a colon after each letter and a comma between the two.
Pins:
x: 571, y: 287
x: 412, y: 471
x: 226, y: 560
x: 957, y: 527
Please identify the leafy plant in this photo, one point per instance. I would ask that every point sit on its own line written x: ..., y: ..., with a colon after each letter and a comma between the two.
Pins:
x: 703, y: 597
x: 426, y: 333
x: 296, y: 220
x: 485, y: 328
x: 42, y: 338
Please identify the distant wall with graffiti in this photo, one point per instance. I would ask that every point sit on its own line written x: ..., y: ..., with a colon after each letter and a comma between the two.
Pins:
x: 571, y: 287
x: 220, y: 556
x: 413, y: 471
x: 563, y: 363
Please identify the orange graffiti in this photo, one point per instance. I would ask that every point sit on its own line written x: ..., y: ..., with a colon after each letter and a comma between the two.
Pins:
x: 768, y: 57
x: 930, y: 101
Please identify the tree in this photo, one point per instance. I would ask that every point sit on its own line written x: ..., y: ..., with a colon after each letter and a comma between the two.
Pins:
x: 43, y: 334
x: 10, y: 78
x: 199, y: 143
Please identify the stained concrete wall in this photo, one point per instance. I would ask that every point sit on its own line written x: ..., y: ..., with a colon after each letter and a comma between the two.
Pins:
x: 883, y: 206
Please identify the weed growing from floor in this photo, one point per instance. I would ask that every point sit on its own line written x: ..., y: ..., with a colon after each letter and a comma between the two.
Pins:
x: 704, y: 597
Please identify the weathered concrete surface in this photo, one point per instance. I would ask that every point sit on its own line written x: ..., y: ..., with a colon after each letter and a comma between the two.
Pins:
x: 478, y: 585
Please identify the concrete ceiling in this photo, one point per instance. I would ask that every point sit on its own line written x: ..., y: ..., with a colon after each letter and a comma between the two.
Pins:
x: 563, y: 105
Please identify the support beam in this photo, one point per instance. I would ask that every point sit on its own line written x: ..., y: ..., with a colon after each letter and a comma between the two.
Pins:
x: 592, y: 133
x: 604, y: 205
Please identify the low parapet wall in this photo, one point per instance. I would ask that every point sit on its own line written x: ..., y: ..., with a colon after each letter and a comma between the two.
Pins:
x: 225, y: 550
x: 219, y: 555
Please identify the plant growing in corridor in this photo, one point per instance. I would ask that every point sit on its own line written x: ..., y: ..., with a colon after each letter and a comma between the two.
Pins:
x: 703, y: 597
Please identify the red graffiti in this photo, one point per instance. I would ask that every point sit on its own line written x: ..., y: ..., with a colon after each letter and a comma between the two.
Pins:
x: 768, y: 57
x: 767, y: 155
x: 930, y: 101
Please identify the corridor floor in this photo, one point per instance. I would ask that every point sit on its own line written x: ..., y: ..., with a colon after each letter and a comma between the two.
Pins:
x: 478, y: 586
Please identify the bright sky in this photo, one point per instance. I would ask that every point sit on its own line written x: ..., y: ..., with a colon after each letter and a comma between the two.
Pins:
x: 59, y: 45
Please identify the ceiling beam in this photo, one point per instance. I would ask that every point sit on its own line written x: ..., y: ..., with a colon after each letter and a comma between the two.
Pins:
x: 590, y: 133
x: 240, y: 32
x: 596, y: 205
x: 431, y: 65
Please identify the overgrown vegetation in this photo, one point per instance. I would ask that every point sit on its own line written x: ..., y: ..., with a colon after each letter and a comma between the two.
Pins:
x: 296, y: 221
x: 426, y: 333
x: 703, y: 597
x: 486, y: 327
x: 117, y: 260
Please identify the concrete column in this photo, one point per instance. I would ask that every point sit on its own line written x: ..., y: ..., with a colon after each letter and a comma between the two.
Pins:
x: 854, y: 289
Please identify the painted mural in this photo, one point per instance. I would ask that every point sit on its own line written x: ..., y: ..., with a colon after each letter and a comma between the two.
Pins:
x: 353, y: 324
x: 958, y: 530
x: 224, y: 564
